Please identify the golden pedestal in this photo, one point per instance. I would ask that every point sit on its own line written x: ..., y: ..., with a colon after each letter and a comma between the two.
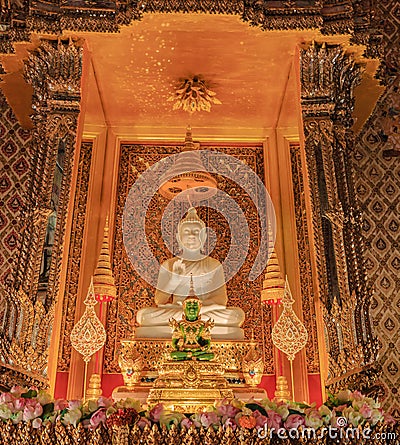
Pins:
x: 150, y: 375
x: 189, y: 385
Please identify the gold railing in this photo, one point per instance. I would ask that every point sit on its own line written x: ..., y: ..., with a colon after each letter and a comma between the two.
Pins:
x: 58, y: 434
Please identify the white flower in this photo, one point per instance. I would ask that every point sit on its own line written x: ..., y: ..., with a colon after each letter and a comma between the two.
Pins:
x: 44, y: 398
x: 72, y: 417
x: 37, y: 423
x: 5, y: 412
x: 344, y: 396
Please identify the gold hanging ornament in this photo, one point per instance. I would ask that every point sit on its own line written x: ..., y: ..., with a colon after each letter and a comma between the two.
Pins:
x: 289, y: 334
x: 88, y: 336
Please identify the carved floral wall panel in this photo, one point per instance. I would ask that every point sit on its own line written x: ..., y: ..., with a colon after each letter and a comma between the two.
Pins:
x: 134, y: 293
x: 15, y: 163
x: 377, y: 182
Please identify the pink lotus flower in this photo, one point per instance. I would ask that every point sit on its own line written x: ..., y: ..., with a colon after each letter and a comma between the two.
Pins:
x: 274, y: 420
x: 261, y: 420
x: 187, y: 423
x: 143, y: 422
x: 19, y: 404
x: 6, y: 397
x: 60, y: 404
x: 366, y: 411
x: 74, y: 404
x: 294, y: 421
x: 208, y: 419
x: 98, y: 417
x: 156, y: 412
x: 31, y: 412
x: 227, y: 410
x: 356, y: 395
x: 17, y: 390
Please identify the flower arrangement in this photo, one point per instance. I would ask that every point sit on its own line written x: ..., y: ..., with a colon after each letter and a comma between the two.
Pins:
x: 38, y: 407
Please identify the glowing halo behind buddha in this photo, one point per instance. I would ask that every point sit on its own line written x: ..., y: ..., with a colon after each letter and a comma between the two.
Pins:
x: 147, y: 185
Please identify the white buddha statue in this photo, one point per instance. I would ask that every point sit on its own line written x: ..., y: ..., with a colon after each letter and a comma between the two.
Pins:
x: 174, y: 284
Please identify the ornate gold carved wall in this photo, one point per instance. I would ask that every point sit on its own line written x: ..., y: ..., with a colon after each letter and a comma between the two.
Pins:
x: 328, y: 77
x: 74, y: 254
x: 134, y: 293
x: 53, y: 69
x: 377, y: 184
x: 306, y: 278
x: 15, y: 156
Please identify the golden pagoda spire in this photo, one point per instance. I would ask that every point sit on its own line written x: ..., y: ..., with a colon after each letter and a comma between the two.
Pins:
x: 274, y: 284
x: 103, y: 279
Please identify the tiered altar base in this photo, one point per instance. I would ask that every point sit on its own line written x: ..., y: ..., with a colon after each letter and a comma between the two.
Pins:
x: 151, y: 376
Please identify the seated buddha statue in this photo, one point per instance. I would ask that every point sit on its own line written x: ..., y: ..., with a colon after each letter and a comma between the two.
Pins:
x: 174, y: 283
x: 191, y: 336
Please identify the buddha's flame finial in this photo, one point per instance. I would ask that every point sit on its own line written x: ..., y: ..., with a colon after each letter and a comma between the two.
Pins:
x: 191, y: 288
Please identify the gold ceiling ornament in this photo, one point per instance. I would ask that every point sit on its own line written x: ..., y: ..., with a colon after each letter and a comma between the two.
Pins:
x: 188, y: 179
x: 192, y: 94
x: 289, y: 334
x: 88, y: 336
x: 103, y: 280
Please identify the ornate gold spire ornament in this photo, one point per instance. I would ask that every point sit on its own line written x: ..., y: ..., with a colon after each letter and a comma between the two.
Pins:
x: 289, y: 334
x: 103, y: 280
x: 192, y: 94
x: 274, y: 284
x: 88, y: 335
x: 188, y: 175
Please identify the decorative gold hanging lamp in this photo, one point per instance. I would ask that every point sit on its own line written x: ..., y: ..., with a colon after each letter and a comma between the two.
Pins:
x: 289, y: 334
x: 188, y: 179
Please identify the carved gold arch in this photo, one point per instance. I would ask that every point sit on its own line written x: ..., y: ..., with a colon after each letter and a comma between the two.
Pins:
x: 327, y: 114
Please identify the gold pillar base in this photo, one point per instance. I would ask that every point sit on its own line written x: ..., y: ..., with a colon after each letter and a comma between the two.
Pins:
x: 282, y: 392
x: 94, y: 390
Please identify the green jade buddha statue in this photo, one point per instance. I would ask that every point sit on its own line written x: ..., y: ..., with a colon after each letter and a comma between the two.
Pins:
x: 191, y: 336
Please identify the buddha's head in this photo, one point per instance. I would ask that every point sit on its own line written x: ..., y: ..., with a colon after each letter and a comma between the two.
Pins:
x: 191, y: 231
x: 191, y: 308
